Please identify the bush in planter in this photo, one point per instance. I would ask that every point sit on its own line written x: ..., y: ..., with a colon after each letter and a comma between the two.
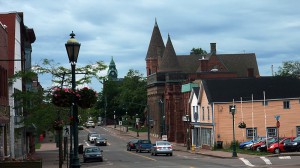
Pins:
x: 242, y: 124
x: 86, y: 97
x: 62, y: 97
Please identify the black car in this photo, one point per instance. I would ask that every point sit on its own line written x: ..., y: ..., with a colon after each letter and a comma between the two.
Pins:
x: 293, y: 145
x: 131, y: 144
x: 100, y: 141
x: 92, y: 153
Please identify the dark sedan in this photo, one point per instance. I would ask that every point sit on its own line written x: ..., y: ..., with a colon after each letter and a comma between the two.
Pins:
x: 92, y: 153
x: 100, y: 141
x: 293, y: 145
x: 131, y: 144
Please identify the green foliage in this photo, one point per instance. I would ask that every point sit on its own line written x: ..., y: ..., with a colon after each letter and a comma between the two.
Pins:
x: 198, y: 51
x: 289, y: 69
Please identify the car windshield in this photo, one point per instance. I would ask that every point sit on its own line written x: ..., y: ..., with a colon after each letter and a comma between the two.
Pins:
x: 145, y: 142
x: 163, y: 143
x: 100, y: 138
x: 297, y: 139
x: 90, y: 150
x: 95, y: 135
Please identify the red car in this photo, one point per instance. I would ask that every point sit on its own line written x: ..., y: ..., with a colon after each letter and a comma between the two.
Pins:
x: 274, y: 147
x: 259, y: 143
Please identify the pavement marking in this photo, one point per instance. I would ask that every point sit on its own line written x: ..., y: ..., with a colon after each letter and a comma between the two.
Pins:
x: 141, y: 156
x: 246, y: 162
x: 284, y: 157
x: 267, y: 161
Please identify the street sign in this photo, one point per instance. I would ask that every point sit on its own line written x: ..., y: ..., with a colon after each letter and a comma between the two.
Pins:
x: 120, y: 122
x: 277, y: 117
x: 164, y: 137
x: 277, y: 124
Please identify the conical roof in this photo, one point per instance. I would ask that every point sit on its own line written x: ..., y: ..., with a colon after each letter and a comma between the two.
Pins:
x: 169, y: 61
x: 156, y: 43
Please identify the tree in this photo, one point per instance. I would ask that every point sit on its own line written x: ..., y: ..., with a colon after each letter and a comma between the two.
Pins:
x: 37, y: 103
x: 289, y: 68
x: 198, y: 51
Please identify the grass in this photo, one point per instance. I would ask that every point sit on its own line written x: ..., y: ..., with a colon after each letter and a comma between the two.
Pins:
x: 37, y: 146
x: 245, y: 151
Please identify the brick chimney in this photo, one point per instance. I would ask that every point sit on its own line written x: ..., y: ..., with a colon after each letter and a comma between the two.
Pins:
x: 213, y: 48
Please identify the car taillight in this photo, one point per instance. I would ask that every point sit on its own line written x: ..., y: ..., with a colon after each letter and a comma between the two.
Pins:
x: 170, y: 147
x: 158, y: 147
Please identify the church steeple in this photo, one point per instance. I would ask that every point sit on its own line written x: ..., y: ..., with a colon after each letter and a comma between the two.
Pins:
x: 112, y: 70
x: 169, y: 62
x: 155, y: 50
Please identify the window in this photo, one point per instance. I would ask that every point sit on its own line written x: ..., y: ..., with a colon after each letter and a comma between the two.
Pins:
x: 203, y: 114
x: 265, y: 103
x: 208, y: 117
x: 298, y: 131
x: 251, y: 132
x: 271, y: 131
x: 286, y: 104
x: 194, y: 108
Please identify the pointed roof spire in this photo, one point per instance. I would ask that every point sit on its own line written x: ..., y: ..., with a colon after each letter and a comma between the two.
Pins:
x: 169, y: 62
x: 156, y: 45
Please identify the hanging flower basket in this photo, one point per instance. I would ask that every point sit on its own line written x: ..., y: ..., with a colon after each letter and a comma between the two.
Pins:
x: 242, y: 125
x: 58, y: 124
x: 62, y: 97
x: 86, y: 97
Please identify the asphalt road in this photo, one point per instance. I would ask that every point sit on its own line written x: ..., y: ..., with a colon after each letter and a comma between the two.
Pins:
x: 116, y: 156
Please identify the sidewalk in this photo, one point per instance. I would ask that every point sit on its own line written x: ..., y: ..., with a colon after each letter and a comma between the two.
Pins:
x: 49, y: 152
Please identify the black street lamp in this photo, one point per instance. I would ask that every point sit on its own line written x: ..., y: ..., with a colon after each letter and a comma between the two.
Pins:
x: 73, y: 47
x: 126, y: 122
x: 115, y: 119
x: 234, y: 154
x: 137, y: 120
x: 188, y: 132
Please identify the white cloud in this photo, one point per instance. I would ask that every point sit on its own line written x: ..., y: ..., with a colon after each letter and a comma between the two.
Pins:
x: 122, y: 29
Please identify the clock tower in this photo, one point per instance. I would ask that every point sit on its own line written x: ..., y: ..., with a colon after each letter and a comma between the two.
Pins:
x: 112, y: 72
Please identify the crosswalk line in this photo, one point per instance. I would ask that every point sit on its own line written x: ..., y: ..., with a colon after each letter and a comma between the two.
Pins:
x: 267, y: 161
x: 246, y: 162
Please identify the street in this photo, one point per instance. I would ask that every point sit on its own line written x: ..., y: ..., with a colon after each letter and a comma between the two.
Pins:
x: 116, y: 156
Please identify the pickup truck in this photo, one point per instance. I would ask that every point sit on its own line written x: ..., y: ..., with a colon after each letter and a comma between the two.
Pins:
x: 143, y: 145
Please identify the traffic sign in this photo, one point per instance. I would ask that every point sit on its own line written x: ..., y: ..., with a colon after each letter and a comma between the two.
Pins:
x: 278, y: 124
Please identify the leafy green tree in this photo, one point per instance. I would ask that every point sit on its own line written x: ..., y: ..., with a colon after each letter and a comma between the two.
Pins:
x: 37, y: 105
x: 198, y: 51
x: 289, y: 68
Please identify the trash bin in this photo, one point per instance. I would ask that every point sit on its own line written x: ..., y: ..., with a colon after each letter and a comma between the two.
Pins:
x: 219, y: 144
x: 80, y: 148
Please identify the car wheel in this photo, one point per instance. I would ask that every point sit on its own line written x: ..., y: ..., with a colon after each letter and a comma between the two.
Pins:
x: 155, y: 154
x: 101, y: 160
x: 84, y: 161
x: 171, y: 154
x: 276, y: 151
x: 136, y: 150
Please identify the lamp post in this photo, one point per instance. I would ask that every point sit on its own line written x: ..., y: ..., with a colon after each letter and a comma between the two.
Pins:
x: 137, y: 120
x: 115, y: 119
x: 72, y: 47
x: 126, y: 122
x: 234, y: 154
x: 188, y: 132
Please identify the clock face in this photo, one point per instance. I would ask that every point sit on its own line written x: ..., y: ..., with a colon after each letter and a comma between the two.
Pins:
x: 113, y: 73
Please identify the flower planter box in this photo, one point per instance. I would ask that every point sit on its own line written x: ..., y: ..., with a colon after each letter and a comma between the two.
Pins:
x: 21, y: 164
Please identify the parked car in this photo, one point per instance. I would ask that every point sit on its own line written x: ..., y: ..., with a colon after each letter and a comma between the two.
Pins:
x: 89, y: 134
x: 257, y: 144
x: 274, y: 146
x: 92, y: 153
x: 143, y: 145
x: 93, y: 137
x: 90, y: 124
x: 162, y: 147
x: 80, y: 127
x: 131, y: 144
x: 248, y: 144
x: 293, y: 145
x: 263, y: 147
x: 100, y: 141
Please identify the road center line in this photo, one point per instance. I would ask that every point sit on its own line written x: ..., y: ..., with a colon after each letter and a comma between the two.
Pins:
x: 141, y: 156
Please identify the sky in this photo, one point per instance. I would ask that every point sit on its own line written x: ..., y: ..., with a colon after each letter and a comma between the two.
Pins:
x: 122, y: 29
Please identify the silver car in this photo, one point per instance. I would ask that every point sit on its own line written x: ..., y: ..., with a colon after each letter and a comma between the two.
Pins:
x: 92, y: 153
x: 162, y: 147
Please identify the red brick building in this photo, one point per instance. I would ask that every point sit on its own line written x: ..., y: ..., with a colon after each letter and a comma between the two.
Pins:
x: 167, y: 72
